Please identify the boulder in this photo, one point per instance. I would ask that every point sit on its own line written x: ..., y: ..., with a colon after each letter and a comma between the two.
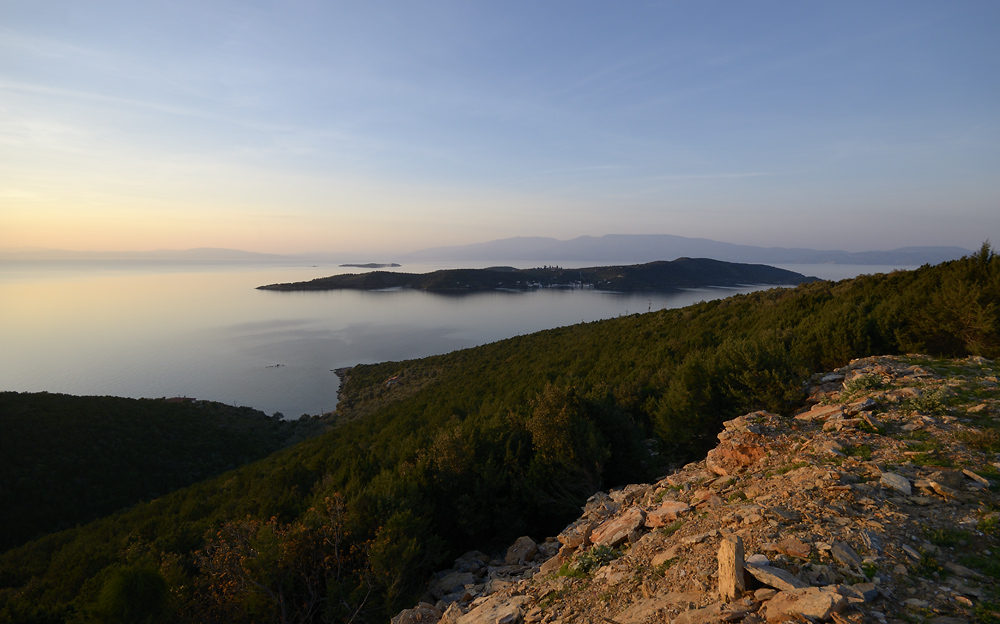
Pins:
x: 730, y: 458
x: 811, y: 602
x: 522, y: 550
x: 615, y: 531
x: 896, y: 482
x: 665, y: 513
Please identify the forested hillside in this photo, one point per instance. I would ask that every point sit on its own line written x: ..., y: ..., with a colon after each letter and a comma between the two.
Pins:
x: 476, y: 447
x: 67, y: 460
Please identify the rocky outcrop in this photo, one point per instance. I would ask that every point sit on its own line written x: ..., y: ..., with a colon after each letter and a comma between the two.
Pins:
x: 873, y: 504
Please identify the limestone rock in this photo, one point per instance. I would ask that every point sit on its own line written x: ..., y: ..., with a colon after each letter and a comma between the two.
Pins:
x: 821, y: 412
x: 729, y: 458
x: 665, y: 513
x: 776, y: 577
x: 615, y: 531
x: 896, y: 482
x: 523, y: 549
x: 731, y: 582
x: 811, y: 602
x: 793, y: 548
x: 844, y: 554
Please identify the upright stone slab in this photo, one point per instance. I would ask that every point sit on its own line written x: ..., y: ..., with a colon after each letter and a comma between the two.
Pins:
x: 731, y: 582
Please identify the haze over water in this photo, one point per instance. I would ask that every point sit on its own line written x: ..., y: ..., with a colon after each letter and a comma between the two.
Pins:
x: 204, y: 331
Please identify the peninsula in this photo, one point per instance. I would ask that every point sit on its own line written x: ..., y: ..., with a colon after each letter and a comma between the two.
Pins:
x: 653, y: 276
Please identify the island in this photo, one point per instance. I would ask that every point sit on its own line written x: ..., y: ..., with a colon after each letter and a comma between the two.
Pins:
x: 662, y: 276
x: 372, y: 265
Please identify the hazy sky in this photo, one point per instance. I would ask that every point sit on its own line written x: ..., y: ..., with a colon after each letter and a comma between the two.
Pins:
x: 358, y: 126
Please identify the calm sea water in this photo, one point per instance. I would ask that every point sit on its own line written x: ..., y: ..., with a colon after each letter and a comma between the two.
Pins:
x: 164, y: 329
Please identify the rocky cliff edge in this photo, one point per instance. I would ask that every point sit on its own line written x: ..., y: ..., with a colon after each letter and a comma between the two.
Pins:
x: 877, y: 503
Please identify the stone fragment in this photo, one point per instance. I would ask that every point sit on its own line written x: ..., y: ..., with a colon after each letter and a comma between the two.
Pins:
x: 423, y: 613
x: 615, y: 531
x: 523, y: 550
x: 873, y: 422
x: 871, y: 541
x: 785, y: 515
x: 665, y: 513
x: 811, y: 602
x: 577, y: 534
x: 793, y: 548
x: 731, y: 582
x: 696, y: 539
x: 844, y: 554
x: 948, y: 478
x: 943, y: 490
x: 896, y: 482
x: 978, y: 479
x: 821, y: 412
x: 758, y: 560
x: 729, y: 458
x: 866, y: 405
x: 775, y: 577
x: 960, y: 570
x: 910, y: 552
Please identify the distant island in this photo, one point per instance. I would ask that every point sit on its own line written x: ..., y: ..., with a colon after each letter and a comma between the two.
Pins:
x: 372, y: 265
x: 653, y: 276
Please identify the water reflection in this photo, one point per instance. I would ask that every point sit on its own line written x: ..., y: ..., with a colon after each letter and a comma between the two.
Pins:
x: 207, y: 332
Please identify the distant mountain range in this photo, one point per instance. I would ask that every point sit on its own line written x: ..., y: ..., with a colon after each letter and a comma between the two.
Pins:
x: 609, y: 249
x: 639, y: 248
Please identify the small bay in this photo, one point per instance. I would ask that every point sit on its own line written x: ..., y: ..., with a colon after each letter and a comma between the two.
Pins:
x: 161, y: 329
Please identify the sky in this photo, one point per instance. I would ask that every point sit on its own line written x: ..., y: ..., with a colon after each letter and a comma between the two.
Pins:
x: 299, y: 125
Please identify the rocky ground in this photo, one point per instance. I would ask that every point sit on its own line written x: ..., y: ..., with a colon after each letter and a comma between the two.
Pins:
x: 877, y: 503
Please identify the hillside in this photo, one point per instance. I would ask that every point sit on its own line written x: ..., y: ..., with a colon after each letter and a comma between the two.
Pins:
x: 876, y: 503
x: 477, y: 447
x: 653, y: 276
x: 67, y: 460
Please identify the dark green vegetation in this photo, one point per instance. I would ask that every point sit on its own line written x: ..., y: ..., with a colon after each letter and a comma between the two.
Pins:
x: 653, y: 276
x: 473, y: 448
x: 66, y: 460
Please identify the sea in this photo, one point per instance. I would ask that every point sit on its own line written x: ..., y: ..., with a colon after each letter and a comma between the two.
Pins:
x: 202, y: 330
